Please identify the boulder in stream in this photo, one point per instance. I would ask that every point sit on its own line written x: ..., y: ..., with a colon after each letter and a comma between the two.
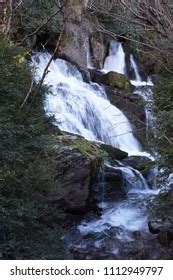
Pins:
x: 76, y: 164
x: 112, y: 79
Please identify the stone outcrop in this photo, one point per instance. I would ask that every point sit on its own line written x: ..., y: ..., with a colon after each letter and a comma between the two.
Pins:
x: 117, y: 80
x: 76, y: 165
x: 141, y: 163
x: 98, y: 49
x: 112, y: 79
x: 114, y: 153
x: 132, y: 106
x: 75, y: 43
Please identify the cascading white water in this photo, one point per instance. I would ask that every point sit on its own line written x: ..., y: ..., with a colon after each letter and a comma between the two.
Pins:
x: 135, y: 68
x: 138, y: 82
x: 127, y: 214
x: 83, y: 108
x: 115, y: 61
x: 144, y: 89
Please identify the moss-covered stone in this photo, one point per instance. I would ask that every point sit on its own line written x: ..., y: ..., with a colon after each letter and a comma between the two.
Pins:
x: 114, y: 153
x: 117, y: 80
x: 76, y: 163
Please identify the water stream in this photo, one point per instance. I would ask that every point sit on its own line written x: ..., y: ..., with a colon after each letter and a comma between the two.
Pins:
x: 84, y: 109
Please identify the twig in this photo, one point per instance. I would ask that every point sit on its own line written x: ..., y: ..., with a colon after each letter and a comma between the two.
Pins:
x: 28, y: 94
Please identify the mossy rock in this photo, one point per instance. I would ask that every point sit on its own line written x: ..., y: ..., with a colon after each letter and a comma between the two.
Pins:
x: 88, y: 149
x: 117, y: 80
x: 76, y: 165
x: 162, y: 205
x: 114, y: 153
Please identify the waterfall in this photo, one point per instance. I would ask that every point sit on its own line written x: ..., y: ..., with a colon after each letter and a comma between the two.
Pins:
x: 115, y: 61
x: 135, y: 69
x: 89, y: 60
x: 138, y: 82
x: 83, y: 108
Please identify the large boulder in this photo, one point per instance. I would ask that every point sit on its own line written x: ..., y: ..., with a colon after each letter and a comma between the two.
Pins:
x: 76, y: 165
x: 112, y: 79
x: 73, y: 46
x: 117, y: 80
x: 110, y: 185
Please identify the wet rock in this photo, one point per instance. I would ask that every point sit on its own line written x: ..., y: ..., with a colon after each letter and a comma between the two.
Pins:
x: 165, y: 237
x: 117, y: 80
x: 77, y: 163
x: 162, y: 206
x: 132, y: 106
x: 112, y: 185
x: 112, y: 79
x: 114, y: 153
x: 164, y: 229
x: 141, y: 163
x: 98, y: 49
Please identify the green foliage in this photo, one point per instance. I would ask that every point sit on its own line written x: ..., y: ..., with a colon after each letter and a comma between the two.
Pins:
x: 13, y: 68
x: 29, y: 226
x: 117, y: 22
x: 163, y: 94
x: 32, y: 14
x: 162, y: 205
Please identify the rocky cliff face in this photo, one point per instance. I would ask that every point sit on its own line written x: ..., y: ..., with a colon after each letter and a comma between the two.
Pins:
x: 74, y: 43
x: 80, y: 36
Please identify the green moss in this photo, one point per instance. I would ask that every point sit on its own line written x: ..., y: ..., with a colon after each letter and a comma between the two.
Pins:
x: 163, y: 95
x: 117, y: 80
x: 33, y: 14
x: 89, y: 150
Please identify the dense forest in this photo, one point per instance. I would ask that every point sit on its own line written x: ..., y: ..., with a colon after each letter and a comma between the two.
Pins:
x: 86, y: 135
